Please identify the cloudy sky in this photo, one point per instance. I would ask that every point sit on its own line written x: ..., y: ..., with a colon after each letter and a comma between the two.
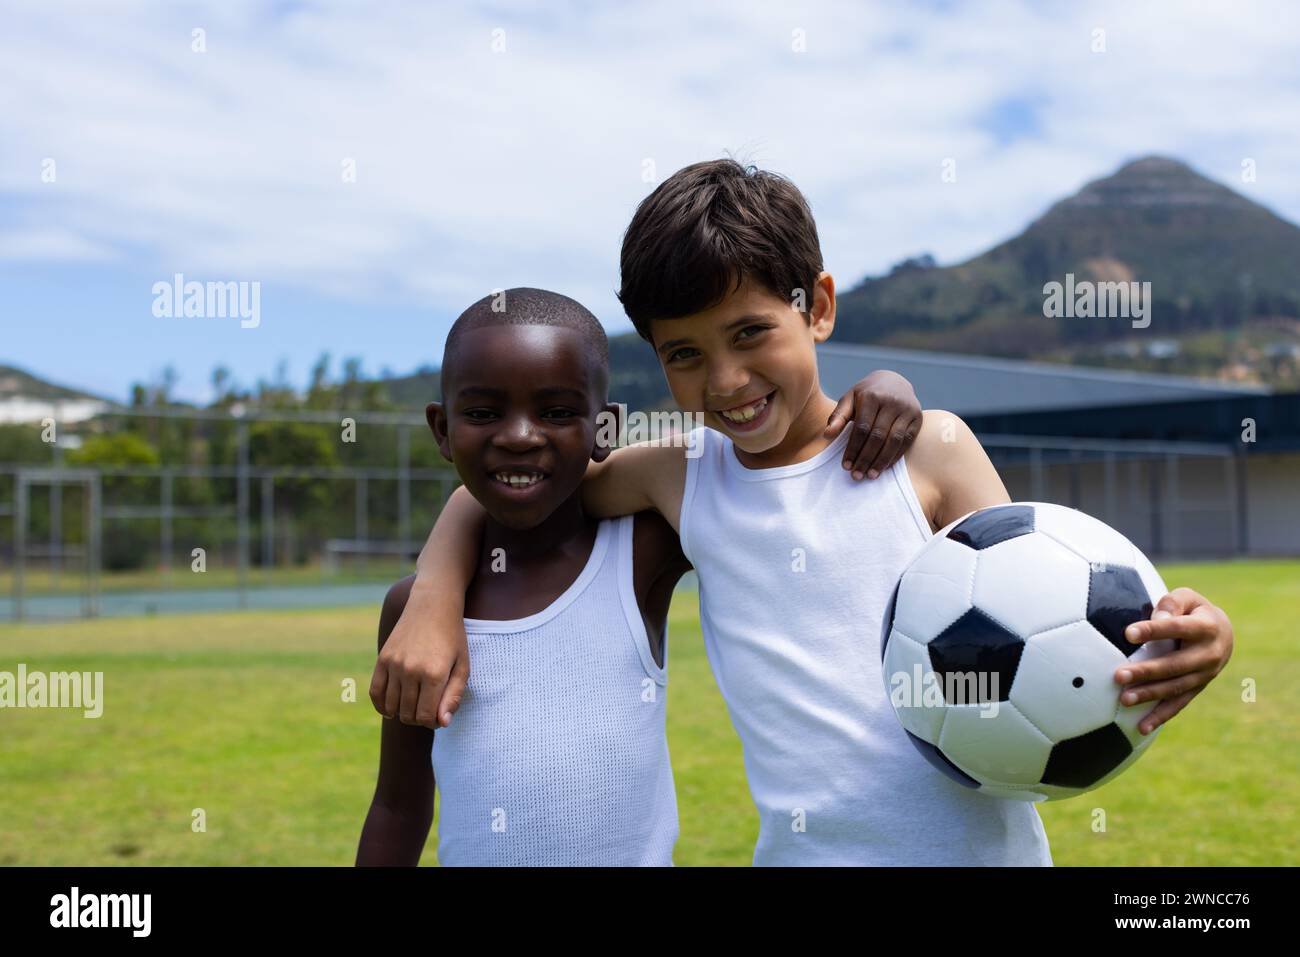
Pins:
x: 507, y: 144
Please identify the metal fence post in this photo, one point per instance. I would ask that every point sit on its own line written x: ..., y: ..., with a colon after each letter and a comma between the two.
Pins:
x: 165, y: 527
x: 242, y: 508
x: 1076, y: 495
x: 1243, y: 503
x: 1172, y: 505
x: 20, y: 542
x: 268, y: 522
x: 1108, y: 471
x: 1154, y: 506
x: 1036, y: 487
x: 363, y: 533
x: 94, y: 542
x: 403, y: 484
x: 56, y: 521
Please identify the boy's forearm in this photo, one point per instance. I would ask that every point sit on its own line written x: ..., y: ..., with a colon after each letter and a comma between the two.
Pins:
x: 628, y: 480
x: 450, y: 554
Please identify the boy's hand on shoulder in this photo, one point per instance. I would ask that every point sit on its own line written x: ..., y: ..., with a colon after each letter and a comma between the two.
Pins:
x: 885, y: 417
x: 1205, y: 640
x: 420, y: 675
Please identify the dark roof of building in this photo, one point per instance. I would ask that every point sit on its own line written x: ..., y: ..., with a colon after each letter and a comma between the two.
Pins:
x: 982, y: 385
x: 1249, y: 423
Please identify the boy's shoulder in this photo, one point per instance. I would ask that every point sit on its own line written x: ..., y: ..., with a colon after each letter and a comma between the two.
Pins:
x: 949, y: 469
x: 637, y: 477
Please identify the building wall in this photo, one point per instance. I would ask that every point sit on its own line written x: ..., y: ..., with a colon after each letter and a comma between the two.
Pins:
x: 1192, y: 512
x: 1273, y: 527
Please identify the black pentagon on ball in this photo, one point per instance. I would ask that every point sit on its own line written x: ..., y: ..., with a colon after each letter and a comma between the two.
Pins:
x: 975, y: 644
x: 1116, y: 599
x: 941, y: 762
x: 992, y: 525
x: 1083, y: 761
x: 888, y: 625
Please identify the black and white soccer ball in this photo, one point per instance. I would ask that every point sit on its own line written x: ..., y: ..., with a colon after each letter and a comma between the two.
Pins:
x: 1000, y: 646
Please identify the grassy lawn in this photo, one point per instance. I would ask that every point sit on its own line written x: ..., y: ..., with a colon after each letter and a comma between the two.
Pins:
x: 39, y: 580
x: 241, y: 715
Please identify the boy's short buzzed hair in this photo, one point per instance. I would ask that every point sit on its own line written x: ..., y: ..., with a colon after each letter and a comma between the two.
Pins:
x: 706, y: 228
x: 525, y: 306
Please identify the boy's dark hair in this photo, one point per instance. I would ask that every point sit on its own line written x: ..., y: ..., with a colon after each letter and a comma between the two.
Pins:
x: 708, y: 227
x: 525, y: 306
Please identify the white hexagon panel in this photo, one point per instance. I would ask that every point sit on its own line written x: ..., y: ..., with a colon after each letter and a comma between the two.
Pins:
x: 1031, y: 583
x: 1065, y: 683
x: 995, y: 744
x: 936, y: 589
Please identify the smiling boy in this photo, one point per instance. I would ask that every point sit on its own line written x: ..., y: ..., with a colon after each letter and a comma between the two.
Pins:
x: 561, y: 604
x: 722, y: 273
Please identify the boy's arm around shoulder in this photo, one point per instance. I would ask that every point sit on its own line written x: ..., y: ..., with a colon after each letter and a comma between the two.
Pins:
x: 635, y: 478
x: 401, y: 810
x: 421, y: 675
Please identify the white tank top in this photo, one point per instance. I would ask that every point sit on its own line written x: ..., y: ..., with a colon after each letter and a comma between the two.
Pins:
x: 558, y: 754
x: 796, y: 565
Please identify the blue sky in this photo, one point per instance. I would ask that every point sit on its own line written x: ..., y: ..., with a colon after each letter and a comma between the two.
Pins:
x: 505, y: 145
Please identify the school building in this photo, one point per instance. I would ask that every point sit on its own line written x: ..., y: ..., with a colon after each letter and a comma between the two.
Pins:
x: 1185, y: 467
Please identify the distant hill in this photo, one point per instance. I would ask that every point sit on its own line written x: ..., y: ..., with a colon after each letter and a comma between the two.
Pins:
x: 25, y: 398
x: 18, y: 383
x: 1224, y: 274
x: 413, y: 391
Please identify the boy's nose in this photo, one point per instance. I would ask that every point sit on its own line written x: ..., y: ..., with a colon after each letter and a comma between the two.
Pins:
x: 519, y: 433
x: 726, y: 379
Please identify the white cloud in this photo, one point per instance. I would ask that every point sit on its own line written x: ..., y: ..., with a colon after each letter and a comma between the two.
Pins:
x: 51, y: 245
x: 478, y: 170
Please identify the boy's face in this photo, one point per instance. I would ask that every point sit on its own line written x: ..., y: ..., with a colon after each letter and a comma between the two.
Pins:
x: 749, y: 363
x: 519, y: 419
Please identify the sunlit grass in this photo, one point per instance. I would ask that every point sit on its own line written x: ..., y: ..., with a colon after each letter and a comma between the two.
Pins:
x: 242, y: 715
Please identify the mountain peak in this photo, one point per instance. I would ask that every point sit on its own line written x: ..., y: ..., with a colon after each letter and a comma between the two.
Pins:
x: 1153, y: 181
x: 1214, y: 260
x: 1155, y: 165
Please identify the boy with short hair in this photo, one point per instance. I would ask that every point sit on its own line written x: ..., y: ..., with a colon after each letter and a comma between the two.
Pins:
x: 559, y: 755
x: 722, y: 274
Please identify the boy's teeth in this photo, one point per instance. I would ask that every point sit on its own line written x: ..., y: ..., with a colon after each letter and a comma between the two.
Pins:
x: 516, y: 480
x: 745, y: 412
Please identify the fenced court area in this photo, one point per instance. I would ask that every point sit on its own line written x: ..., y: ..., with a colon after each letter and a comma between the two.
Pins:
x: 242, y: 715
x: 116, y: 538
x: 256, y: 526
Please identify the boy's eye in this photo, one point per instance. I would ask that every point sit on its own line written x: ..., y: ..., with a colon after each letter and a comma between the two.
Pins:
x: 559, y: 413
x: 750, y: 331
x: 479, y: 415
x: 682, y: 354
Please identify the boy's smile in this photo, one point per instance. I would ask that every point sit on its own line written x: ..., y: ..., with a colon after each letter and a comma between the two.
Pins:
x: 749, y: 416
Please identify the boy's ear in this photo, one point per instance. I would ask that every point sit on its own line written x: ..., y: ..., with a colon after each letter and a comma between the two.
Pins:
x: 436, y: 416
x: 609, y: 426
x: 822, y: 314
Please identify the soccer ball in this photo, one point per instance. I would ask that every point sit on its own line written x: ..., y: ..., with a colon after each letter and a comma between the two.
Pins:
x: 1000, y: 646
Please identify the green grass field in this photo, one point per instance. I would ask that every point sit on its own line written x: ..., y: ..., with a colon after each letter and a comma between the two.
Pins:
x: 242, y: 715
x: 38, y: 580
